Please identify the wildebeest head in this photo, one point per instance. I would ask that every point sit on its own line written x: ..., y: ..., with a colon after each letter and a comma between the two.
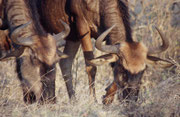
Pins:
x: 43, y: 48
x: 131, y: 57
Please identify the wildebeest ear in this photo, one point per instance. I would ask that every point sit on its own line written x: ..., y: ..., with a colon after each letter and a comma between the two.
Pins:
x: 61, y: 54
x: 12, y: 54
x: 108, y: 58
x: 158, y: 62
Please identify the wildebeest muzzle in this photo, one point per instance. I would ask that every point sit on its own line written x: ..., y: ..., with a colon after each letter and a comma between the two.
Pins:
x: 133, y: 80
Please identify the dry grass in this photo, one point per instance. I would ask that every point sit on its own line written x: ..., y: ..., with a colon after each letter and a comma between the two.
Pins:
x: 161, y: 98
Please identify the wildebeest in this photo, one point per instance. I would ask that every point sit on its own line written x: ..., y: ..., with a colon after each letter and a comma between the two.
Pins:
x: 36, y: 49
x: 129, y: 61
x: 89, y: 18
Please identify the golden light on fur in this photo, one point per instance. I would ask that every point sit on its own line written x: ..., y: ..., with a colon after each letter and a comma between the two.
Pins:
x: 134, y: 56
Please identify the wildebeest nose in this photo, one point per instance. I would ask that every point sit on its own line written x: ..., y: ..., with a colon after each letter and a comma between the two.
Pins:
x: 134, y: 79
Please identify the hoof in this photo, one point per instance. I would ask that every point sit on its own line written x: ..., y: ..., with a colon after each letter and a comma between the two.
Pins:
x: 107, y: 100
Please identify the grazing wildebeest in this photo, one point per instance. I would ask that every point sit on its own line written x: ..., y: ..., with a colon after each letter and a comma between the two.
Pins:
x: 36, y: 49
x: 89, y: 18
x: 129, y: 61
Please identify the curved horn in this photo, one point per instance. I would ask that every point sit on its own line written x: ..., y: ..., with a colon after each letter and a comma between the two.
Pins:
x: 106, y: 48
x: 163, y: 47
x: 26, y: 41
x: 60, y: 36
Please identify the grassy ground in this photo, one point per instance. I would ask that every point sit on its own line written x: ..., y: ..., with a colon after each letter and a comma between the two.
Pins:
x: 160, y: 98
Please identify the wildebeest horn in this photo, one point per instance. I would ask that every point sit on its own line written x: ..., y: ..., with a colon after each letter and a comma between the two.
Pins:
x: 26, y: 41
x: 106, y: 48
x: 62, y: 35
x: 163, y: 47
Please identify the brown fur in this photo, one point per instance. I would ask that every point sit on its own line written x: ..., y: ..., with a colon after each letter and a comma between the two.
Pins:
x: 44, y: 44
x: 131, y: 59
x: 3, y: 22
x: 5, y: 44
x: 36, y: 64
x: 87, y: 19
x: 134, y: 56
x: 111, y: 91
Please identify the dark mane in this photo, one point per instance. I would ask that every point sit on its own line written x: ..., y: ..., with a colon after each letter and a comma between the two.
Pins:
x: 124, y: 10
x: 32, y: 4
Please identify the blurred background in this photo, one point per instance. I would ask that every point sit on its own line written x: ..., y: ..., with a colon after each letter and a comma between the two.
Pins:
x: 159, y: 97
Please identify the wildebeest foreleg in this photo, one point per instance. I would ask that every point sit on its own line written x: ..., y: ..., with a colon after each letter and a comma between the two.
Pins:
x: 85, y: 37
x: 91, y: 71
x: 70, y: 49
x: 110, y: 92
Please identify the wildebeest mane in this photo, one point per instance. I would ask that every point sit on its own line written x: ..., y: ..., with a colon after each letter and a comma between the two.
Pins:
x: 123, y: 7
x: 32, y: 4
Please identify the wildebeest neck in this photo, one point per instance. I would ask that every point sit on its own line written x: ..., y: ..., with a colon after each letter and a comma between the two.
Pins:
x: 32, y: 4
x: 20, y: 12
x: 116, y: 12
